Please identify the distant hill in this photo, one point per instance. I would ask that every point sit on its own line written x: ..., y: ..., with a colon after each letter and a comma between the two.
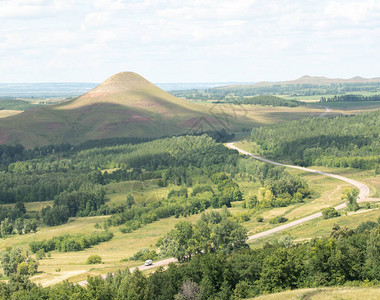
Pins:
x: 126, y: 104
x: 45, y: 90
x: 312, y: 80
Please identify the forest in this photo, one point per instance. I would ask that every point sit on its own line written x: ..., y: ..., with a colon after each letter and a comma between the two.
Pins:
x: 350, y: 97
x: 226, y: 93
x: 348, y: 257
x: 198, y: 171
x: 343, y: 141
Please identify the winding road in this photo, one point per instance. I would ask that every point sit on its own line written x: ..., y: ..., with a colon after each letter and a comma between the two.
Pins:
x: 363, y: 193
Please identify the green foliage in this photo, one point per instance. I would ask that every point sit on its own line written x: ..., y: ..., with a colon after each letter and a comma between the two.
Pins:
x: 66, y: 243
x: 16, y: 104
x: 278, y: 220
x: 259, y: 219
x: 350, y: 195
x: 94, y: 259
x: 342, y: 141
x: 329, y: 213
x: 349, y: 258
x: 144, y: 254
x: 269, y: 101
x: 15, y: 261
x: 40, y: 254
x: 213, y: 232
x: 350, y: 97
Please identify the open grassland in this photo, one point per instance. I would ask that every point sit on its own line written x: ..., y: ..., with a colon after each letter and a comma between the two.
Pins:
x: 4, y: 113
x: 368, y: 177
x: 349, y: 293
x: 321, y: 227
x: 327, y: 193
x: 72, y: 265
x: 143, y: 191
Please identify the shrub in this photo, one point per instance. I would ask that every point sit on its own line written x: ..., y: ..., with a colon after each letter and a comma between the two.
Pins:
x: 94, y: 259
x: 144, y: 254
x: 329, y: 213
x: 40, y: 254
x: 277, y: 220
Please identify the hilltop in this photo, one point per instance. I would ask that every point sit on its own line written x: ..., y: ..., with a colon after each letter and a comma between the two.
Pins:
x: 306, y: 79
x: 126, y: 104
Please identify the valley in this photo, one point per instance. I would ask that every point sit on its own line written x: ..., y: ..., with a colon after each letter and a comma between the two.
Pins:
x: 96, y: 177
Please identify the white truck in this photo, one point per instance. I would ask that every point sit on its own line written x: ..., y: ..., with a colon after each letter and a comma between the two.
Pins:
x: 148, y: 262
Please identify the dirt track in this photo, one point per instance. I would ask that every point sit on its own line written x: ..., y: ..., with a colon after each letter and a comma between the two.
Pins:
x: 363, y: 193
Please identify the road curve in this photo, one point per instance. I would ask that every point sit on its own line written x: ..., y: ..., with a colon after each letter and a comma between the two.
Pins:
x: 363, y: 192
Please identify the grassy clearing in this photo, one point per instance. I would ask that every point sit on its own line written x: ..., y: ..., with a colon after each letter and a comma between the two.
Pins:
x: 72, y: 265
x: 328, y: 192
x: 143, y: 191
x: 322, y: 228
x: 351, y: 293
x: 4, y: 113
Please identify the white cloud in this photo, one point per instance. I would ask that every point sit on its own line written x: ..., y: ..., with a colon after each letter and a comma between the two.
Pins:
x: 195, y: 39
x: 353, y: 11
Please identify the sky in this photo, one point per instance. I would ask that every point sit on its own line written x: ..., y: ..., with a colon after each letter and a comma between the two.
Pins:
x: 188, y: 41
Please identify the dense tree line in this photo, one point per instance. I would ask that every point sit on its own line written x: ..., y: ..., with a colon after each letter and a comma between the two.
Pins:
x: 350, y: 97
x: 344, y: 141
x: 228, y: 93
x: 347, y: 257
x: 269, y: 101
x: 14, y: 104
x: 67, y: 242
x: 14, y: 219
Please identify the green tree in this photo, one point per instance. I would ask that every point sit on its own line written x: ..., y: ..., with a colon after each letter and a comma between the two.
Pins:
x: 19, y: 225
x: 6, y: 227
x: 372, y: 262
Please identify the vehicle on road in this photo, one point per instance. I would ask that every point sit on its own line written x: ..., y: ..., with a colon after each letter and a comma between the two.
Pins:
x: 148, y: 262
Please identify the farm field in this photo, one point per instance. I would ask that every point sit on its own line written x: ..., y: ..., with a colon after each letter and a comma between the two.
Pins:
x: 4, y: 113
x: 349, y: 293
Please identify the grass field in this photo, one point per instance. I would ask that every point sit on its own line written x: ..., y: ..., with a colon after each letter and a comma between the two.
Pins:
x: 4, y: 113
x: 143, y: 191
x: 349, y: 293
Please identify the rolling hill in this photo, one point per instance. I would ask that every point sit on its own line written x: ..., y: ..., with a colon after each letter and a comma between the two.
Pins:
x: 126, y: 104
x: 306, y: 79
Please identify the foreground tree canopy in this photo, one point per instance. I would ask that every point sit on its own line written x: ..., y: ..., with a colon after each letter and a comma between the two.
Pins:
x: 349, y: 257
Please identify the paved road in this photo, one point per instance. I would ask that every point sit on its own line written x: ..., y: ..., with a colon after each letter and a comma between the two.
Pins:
x: 364, y: 192
x: 156, y: 264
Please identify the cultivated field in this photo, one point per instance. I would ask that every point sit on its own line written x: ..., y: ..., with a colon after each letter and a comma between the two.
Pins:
x: 348, y: 293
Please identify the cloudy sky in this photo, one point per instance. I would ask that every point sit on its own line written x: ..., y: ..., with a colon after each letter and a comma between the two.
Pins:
x: 188, y: 41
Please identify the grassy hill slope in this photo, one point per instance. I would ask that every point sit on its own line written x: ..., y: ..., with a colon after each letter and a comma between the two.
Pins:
x: 124, y: 105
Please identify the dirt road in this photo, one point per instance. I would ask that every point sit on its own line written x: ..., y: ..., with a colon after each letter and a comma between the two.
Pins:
x: 363, y: 193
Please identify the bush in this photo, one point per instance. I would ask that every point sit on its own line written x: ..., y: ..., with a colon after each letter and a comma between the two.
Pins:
x: 94, y: 259
x: 277, y: 220
x: 40, y: 254
x: 259, y: 219
x: 144, y: 254
x: 329, y: 213
x: 67, y: 242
